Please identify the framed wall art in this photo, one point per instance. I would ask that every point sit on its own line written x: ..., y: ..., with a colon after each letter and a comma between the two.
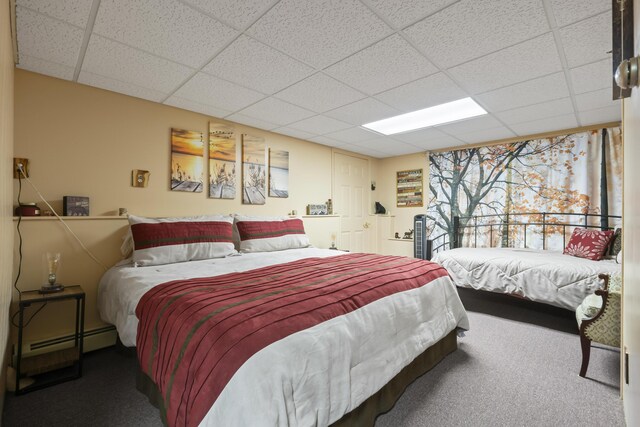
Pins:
x: 278, y: 173
x: 254, y: 171
x: 187, y: 151
x: 222, y: 161
x: 409, y: 188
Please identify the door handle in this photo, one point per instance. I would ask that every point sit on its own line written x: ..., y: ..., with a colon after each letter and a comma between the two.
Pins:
x: 366, y: 225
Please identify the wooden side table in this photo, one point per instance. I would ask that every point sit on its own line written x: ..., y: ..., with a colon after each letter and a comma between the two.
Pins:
x: 54, y: 360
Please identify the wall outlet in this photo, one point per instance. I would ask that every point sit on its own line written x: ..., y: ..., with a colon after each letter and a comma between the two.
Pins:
x: 16, y: 167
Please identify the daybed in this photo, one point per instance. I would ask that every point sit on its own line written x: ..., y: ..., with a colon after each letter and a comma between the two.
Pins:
x: 298, y: 336
x: 541, y: 275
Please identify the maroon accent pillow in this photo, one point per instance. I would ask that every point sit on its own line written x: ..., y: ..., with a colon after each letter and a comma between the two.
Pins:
x: 590, y: 244
x: 271, y: 235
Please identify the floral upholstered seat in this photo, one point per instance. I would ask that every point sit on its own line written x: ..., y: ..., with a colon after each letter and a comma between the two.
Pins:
x: 599, y: 318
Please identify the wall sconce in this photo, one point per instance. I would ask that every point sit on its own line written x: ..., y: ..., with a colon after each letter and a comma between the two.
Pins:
x: 627, y: 73
x: 139, y: 178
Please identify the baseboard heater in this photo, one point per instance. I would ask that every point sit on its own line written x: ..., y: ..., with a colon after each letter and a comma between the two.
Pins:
x: 94, y: 339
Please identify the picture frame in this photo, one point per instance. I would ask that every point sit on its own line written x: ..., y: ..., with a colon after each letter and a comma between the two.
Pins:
x: 409, y: 192
x: 75, y: 206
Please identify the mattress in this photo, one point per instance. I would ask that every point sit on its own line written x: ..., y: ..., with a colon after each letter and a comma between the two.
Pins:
x: 548, y: 277
x: 317, y: 375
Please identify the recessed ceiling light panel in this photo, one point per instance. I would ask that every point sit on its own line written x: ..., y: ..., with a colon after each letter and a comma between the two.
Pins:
x: 444, y: 113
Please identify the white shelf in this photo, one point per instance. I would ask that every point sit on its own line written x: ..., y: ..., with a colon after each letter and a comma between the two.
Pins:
x: 70, y: 218
x: 320, y: 216
x: 400, y: 240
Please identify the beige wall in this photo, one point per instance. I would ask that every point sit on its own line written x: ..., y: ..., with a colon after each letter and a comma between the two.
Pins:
x: 6, y: 178
x: 631, y: 241
x: 401, y: 219
x: 85, y: 141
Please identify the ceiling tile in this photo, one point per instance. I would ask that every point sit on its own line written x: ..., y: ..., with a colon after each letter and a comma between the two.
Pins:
x: 471, y: 28
x: 597, y: 99
x: 257, y: 66
x: 366, y: 151
x: 569, y: 11
x: 319, y: 125
x: 219, y: 93
x: 319, y: 32
x: 389, y: 146
x: 549, y: 124
x: 486, y: 135
x: 275, y: 111
x: 557, y: 107
x: 165, y: 28
x: 130, y: 89
x: 364, y: 111
x: 533, y: 58
x: 48, y: 39
x: 470, y: 125
x: 423, y: 137
x: 385, y: 65
x: 353, y: 135
x: 401, y: 149
x: 187, y: 104
x: 31, y: 63
x: 401, y: 13
x: 119, y: 62
x: 293, y: 132
x: 251, y: 121
x: 587, y: 41
x: 74, y: 12
x: 423, y: 93
x: 327, y: 141
x: 324, y: 140
x: 528, y: 93
x: 590, y: 77
x: 601, y: 115
x: 319, y: 93
x: 439, y: 143
x: 238, y: 13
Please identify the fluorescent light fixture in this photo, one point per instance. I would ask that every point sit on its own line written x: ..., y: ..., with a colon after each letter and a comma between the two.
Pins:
x: 444, y: 113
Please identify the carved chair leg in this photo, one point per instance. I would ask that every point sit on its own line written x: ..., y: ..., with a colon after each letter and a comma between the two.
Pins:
x: 586, y: 353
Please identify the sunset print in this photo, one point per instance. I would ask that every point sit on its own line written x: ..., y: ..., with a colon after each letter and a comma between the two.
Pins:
x: 187, y: 148
x: 253, y: 170
x: 278, y: 173
x: 222, y: 161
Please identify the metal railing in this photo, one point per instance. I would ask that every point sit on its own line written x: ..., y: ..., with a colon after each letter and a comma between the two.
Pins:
x: 506, y: 222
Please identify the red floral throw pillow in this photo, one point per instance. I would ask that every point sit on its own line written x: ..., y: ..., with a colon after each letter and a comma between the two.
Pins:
x: 590, y: 244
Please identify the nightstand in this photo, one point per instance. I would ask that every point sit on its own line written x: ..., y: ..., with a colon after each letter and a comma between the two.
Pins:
x: 67, y: 362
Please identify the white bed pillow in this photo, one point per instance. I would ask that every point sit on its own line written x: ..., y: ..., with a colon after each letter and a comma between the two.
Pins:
x: 267, y: 234
x: 169, y: 240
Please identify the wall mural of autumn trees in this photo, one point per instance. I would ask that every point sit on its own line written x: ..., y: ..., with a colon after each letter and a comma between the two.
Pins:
x: 557, y: 174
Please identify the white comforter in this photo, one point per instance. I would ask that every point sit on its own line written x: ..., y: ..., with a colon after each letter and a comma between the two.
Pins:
x: 544, y: 276
x: 315, y: 376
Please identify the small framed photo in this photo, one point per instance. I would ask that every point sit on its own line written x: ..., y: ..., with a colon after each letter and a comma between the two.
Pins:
x: 317, y: 209
x: 75, y: 206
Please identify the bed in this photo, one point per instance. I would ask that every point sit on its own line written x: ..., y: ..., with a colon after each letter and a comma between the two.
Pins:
x: 555, y: 277
x: 544, y: 276
x: 338, y: 368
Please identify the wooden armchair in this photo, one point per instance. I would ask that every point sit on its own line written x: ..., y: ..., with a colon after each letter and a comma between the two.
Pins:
x: 602, y: 328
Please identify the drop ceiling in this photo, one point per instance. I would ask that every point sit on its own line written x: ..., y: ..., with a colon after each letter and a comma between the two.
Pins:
x: 319, y: 69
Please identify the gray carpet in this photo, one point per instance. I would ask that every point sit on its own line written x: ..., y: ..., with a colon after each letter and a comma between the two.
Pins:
x: 518, y: 366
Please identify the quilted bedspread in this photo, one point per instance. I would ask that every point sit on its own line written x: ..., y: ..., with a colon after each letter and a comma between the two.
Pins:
x: 544, y: 276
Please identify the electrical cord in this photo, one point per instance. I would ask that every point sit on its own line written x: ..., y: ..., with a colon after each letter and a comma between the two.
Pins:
x: 15, y: 283
x: 93, y: 257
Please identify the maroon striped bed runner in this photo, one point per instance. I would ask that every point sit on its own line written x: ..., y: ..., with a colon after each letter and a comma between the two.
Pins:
x: 193, y: 335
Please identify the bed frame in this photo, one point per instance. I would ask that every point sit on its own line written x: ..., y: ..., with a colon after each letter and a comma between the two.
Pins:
x: 507, y: 221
